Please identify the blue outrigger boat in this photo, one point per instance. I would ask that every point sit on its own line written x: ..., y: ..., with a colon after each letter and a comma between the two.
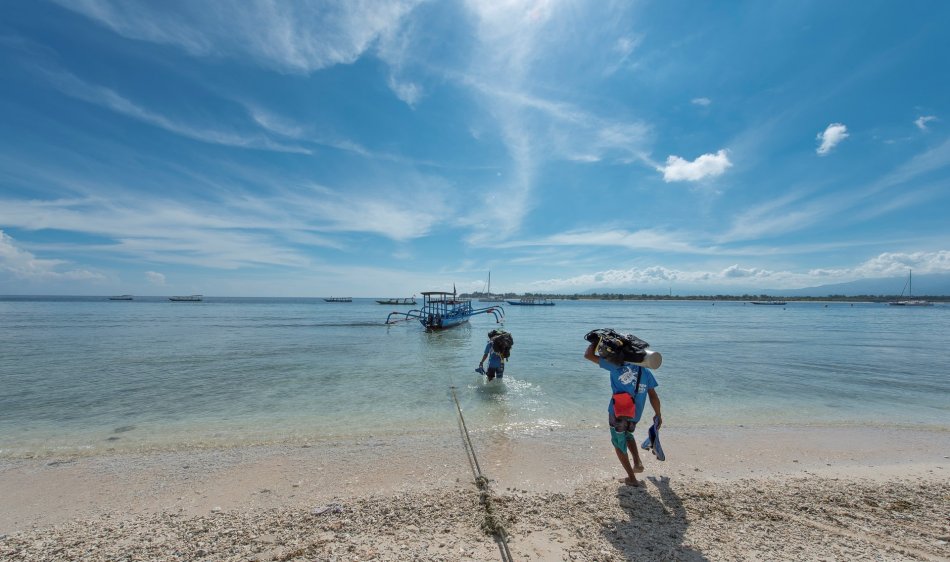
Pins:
x: 443, y: 310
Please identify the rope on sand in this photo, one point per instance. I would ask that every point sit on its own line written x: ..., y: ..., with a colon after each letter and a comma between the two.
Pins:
x: 491, y: 523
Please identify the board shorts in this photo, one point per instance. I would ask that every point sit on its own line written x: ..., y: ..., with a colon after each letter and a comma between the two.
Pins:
x: 493, y: 372
x: 621, y: 431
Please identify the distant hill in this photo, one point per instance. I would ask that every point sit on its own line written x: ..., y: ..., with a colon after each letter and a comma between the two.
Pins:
x: 936, y: 284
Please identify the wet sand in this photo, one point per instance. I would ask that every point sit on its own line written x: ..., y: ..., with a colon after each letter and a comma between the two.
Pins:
x: 745, y: 493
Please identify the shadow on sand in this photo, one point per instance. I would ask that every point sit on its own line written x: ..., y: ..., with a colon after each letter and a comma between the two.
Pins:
x: 655, y: 527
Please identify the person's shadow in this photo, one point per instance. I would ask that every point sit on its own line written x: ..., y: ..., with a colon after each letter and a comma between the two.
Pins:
x: 655, y: 527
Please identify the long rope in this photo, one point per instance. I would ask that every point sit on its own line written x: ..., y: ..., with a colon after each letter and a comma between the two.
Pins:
x: 491, y: 522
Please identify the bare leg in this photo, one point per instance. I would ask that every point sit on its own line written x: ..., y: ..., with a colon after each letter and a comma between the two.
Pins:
x: 631, y: 479
x: 637, y: 463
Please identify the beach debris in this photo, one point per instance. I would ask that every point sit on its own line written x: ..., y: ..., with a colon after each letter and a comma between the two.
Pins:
x: 329, y: 508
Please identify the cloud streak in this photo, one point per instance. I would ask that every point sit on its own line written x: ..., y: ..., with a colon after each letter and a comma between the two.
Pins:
x: 296, y: 37
x: 73, y: 86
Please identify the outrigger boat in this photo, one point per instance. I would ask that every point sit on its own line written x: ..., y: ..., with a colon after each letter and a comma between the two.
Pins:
x: 442, y: 310
x: 532, y: 301
x: 407, y: 300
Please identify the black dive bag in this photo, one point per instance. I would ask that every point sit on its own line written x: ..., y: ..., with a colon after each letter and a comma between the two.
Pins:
x: 627, y: 347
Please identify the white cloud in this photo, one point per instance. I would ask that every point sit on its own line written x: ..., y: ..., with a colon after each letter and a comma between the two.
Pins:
x: 408, y: 92
x: 897, y: 264
x: 301, y: 36
x: 707, y: 165
x: 834, y: 134
x: 922, y: 121
x: 24, y: 265
x: 654, y: 278
x: 155, y: 278
x: 704, y: 102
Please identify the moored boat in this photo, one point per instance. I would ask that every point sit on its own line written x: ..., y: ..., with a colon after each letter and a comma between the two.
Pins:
x: 121, y: 298
x: 442, y: 310
x: 399, y: 301
x: 188, y: 298
x: 488, y: 296
x: 910, y: 300
x: 780, y: 303
x: 532, y: 301
x: 339, y: 299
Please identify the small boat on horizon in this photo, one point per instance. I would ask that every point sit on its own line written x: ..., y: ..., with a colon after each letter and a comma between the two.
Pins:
x: 399, y: 301
x: 532, y: 301
x: 186, y: 298
x: 122, y: 298
x: 339, y: 299
x: 911, y: 301
x: 779, y: 303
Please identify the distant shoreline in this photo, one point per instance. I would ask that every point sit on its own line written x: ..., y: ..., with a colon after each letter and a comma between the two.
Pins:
x: 870, y: 299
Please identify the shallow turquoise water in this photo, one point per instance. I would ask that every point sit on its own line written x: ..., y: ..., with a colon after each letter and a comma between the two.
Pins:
x: 89, y: 374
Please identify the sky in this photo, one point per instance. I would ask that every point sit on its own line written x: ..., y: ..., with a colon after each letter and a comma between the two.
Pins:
x: 385, y: 148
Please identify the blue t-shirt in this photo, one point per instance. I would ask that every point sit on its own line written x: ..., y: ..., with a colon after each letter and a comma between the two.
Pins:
x: 622, y: 379
x: 494, y: 359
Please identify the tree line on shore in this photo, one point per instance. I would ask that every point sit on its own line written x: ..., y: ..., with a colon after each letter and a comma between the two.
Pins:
x: 744, y: 297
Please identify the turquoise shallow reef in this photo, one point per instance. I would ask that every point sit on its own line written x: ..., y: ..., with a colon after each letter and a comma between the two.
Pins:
x: 88, y: 374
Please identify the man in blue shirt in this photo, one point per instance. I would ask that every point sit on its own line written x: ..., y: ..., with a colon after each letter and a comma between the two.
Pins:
x: 631, y: 384
x: 496, y: 363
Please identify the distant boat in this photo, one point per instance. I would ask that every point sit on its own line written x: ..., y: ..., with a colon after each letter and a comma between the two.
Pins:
x: 532, y: 301
x: 406, y: 301
x: 188, y: 298
x: 780, y: 303
x: 488, y: 296
x: 442, y: 310
x: 339, y: 299
x: 910, y: 292
x: 121, y: 298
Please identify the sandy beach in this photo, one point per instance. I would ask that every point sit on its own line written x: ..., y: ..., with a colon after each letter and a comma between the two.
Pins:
x: 742, y: 494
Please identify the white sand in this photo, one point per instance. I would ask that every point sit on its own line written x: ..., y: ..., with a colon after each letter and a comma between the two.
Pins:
x: 761, y: 494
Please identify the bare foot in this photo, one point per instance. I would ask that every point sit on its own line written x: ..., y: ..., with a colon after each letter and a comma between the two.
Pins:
x: 637, y: 469
x: 631, y: 482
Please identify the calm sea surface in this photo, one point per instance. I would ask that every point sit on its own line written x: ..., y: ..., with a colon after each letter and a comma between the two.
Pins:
x: 88, y: 374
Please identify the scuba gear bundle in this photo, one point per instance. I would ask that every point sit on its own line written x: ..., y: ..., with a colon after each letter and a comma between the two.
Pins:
x: 616, y: 346
x: 501, y: 342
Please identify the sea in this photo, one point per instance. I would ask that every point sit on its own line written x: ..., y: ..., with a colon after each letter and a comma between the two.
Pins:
x: 86, y: 375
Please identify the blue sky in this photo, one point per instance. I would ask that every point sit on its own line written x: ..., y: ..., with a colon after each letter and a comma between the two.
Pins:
x: 365, y: 148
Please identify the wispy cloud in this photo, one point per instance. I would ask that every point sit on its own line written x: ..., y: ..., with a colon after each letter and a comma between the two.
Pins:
x: 624, y: 48
x: 24, y: 265
x: 155, y: 278
x: 646, y: 239
x: 922, y: 121
x: 360, y: 211
x: 75, y: 87
x: 702, y: 102
x: 300, y: 37
x: 831, y: 137
x: 705, y: 166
